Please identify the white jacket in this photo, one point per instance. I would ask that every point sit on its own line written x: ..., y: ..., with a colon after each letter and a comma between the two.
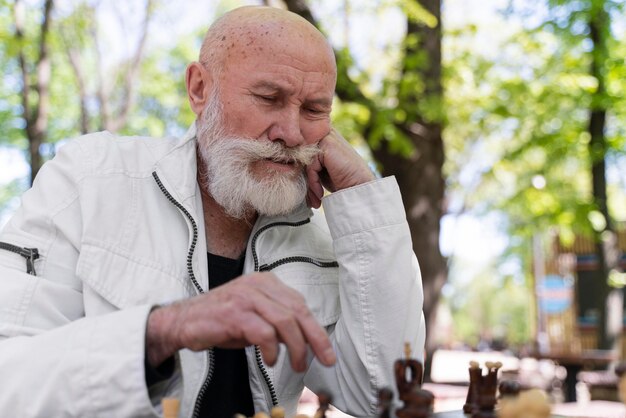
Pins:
x: 117, y: 222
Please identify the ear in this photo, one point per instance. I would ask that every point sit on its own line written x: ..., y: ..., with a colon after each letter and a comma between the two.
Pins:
x: 198, y: 81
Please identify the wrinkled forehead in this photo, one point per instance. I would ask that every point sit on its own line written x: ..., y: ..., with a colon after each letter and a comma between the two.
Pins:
x: 271, y: 39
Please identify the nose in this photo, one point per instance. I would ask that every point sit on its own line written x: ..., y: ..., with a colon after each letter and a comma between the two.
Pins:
x: 286, y: 128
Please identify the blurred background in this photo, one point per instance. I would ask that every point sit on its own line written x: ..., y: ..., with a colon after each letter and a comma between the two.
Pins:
x: 504, y: 122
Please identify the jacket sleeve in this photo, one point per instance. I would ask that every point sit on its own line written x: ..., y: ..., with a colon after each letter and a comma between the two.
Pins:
x: 54, y: 359
x: 380, y: 292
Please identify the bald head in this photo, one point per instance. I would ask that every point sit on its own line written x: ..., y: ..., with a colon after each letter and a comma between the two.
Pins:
x: 261, y: 30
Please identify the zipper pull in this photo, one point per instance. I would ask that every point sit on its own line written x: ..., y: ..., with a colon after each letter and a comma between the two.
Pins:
x: 30, y: 254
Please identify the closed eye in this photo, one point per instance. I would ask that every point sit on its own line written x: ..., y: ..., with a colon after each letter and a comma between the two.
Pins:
x: 267, y: 99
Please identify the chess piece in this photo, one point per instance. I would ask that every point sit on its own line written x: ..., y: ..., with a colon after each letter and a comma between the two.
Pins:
x: 324, y: 399
x: 385, y: 400
x: 260, y: 415
x: 277, y: 412
x: 531, y: 403
x: 170, y: 407
x: 620, y: 371
x: 509, y: 388
x: 487, y: 392
x: 418, y: 403
x: 481, y: 394
x: 472, y: 393
x: 410, y: 367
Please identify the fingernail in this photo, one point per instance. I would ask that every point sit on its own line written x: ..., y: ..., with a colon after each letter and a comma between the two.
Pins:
x: 329, y: 356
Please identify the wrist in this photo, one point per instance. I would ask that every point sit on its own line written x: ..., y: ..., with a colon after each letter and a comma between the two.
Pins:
x: 160, y: 341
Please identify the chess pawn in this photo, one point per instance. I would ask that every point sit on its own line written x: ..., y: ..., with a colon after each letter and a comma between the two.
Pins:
x: 170, y: 407
x: 531, y: 403
x: 385, y: 399
x: 471, y: 401
x: 620, y: 371
x: 324, y: 399
x: 277, y: 412
x: 509, y: 389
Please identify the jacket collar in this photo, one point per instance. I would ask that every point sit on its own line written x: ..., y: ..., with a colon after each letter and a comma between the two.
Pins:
x: 178, y: 168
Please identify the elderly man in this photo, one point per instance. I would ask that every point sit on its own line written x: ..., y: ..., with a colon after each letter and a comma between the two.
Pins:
x: 138, y: 268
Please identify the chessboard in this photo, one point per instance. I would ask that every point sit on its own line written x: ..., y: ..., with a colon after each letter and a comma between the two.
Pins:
x: 487, y: 397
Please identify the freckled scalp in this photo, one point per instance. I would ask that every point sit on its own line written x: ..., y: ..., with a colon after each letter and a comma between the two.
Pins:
x: 256, y: 29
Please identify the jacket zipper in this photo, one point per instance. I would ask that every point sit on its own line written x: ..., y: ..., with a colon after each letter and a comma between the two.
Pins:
x: 265, y: 267
x: 30, y: 254
x: 298, y: 259
x: 268, y: 267
x: 192, y: 248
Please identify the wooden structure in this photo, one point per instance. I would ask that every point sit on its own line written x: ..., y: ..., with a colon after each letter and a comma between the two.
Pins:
x: 574, y: 329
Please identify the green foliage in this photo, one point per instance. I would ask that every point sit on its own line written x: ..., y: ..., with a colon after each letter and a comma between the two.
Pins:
x: 162, y: 107
x: 416, y: 12
x: 534, y: 113
x: 491, y: 305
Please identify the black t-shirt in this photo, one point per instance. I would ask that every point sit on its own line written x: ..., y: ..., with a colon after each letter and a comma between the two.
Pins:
x: 229, y: 390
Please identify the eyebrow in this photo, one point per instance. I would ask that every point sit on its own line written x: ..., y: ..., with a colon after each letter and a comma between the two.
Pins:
x: 275, y: 87
x: 269, y: 85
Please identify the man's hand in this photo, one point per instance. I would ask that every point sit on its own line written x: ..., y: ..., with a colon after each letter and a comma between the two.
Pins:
x: 337, y: 167
x: 255, y: 309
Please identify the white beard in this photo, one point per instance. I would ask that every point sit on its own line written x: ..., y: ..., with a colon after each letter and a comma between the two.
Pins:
x: 228, y: 177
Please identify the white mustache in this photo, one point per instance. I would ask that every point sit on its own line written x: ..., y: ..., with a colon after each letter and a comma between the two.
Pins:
x: 254, y: 150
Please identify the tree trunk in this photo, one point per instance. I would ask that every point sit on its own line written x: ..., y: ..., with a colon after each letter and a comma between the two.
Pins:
x: 421, y: 176
x: 35, y: 115
x: 607, y: 250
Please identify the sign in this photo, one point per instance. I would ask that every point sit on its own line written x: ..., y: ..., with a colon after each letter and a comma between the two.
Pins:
x: 555, y: 294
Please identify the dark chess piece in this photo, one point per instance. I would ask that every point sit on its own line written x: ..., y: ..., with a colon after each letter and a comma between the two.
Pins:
x: 385, y: 400
x: 324, y: 399
x: 410, y: 367
x: 620, y: 371
x: 509, y: 389
x: 418, y: 403
x: 487, y: 392
x: 471, y: 402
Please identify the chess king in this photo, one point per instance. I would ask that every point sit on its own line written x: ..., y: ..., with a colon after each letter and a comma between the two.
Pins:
x: 200, y: 267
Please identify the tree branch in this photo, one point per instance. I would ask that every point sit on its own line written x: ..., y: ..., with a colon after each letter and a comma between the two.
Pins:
x: 36, y: 118
x: 130, y: 77
x: 101, y: 89
x: 18, y: 15
x: 77, y: 67
x: 43, y: 73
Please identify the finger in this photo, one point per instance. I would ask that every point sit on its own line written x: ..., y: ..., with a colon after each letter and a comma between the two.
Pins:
x: 312, y: 331
x: 259, y: 332
x: 315, y: 191
x: 312, y: 200
x: 286, y: 326
x: 313, y: 178
x: 317, y: 338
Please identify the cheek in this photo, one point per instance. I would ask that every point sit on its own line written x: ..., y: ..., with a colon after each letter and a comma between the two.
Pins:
x: 315, y: 131
x: 246, y: 121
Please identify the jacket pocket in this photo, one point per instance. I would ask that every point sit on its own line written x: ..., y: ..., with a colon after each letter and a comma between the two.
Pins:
x: 125, y: 281
x: 319, y: 286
